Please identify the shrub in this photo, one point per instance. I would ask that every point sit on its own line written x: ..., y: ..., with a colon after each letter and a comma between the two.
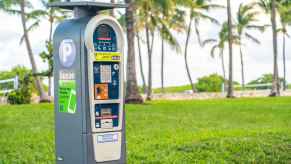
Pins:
x: 23, y: 94
x: 211, y: 83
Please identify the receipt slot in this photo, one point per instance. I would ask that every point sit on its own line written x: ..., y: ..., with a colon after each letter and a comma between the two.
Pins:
x: 89, y: 99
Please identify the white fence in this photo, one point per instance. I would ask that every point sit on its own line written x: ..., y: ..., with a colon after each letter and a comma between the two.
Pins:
x: 4, y: 85
x: 251, y: 86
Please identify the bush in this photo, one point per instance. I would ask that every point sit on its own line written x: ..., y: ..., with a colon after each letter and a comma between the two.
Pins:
x: 23, y: 94
x: 265, y: 79
x: 211, y: 83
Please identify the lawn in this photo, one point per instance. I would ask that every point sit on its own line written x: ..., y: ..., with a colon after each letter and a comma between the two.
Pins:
x: 209, y: 131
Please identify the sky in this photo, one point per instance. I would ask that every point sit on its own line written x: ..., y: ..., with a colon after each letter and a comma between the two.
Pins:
x: 258, y: 58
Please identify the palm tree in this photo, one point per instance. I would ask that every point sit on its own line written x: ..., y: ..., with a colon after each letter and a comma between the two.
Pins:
x: 246, y: 19
x: 144, y: 87
x: 269, y: 7
x: 156, y: 16
x: 172, y: 18
x: 285, y: 19
x: 219, y: 44
x: 19, y: 7
x: 147, y: 14
x: 53, y: 15
x: 132, y: 93
x: 197, y: 13
x: 230, y: 93
x: 145, y: 17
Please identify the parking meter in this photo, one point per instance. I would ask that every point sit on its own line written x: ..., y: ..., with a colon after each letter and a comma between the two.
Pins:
x: 88, y: 79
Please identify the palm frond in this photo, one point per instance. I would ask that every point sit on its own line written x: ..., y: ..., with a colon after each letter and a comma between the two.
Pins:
x: 213, y: 49
x: 197, y: 31
x: 209, y: 41
x: 32, y: 27
x: 252, y: 38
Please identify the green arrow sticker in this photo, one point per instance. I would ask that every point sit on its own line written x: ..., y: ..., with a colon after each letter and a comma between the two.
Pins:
x: 67, y: 96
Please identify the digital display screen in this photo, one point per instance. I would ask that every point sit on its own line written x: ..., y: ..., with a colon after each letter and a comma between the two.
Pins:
x: 104, y: 39
x: 104, y: 33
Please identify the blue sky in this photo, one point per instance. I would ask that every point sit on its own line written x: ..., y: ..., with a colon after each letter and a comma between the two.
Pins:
x: 258, y: 58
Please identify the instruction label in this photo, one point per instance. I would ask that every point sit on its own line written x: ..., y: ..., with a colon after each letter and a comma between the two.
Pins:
x: 107, y: 56
x: 67, y: 93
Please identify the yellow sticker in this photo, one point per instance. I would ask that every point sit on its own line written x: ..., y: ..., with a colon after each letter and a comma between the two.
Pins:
x: 107, y: 56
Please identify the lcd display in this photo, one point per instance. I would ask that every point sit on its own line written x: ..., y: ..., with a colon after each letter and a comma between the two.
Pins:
x: 104, y: 39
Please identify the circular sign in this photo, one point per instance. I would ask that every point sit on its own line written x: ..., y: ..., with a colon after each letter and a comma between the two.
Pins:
x: 67, y: 52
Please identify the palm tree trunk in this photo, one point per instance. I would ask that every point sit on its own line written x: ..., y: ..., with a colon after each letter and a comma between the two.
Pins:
x: 51, y: 20
x: 186, y: 56
x: 284, y: 62
x: 242, y: 68
x: 150, y: 50
x: 140, y: 63
x: 112, y: 10
x: 49, y: 86
x: 223, y: 68
x: 275, y: 85
x: 132, y: 93
x: 230, y: 40
x: 42, y: 94
x: 162, y: 66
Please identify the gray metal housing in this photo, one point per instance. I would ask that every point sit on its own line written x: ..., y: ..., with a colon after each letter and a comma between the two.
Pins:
x: 73, y: 132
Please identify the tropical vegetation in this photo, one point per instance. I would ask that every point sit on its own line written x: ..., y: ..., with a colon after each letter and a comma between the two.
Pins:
x: 150, y: 21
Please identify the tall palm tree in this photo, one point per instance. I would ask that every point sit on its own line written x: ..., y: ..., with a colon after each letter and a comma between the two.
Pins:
x: 230, y: 93
x: 197, y: 11
x: 19, y: 7
x: 53, y: 15
x: 144, y: 87
x: 246, y: 20
x: 148, y: 16
x: 145, y: 14
x: 132, y: 93
x: 219, y: 44
x: 284, y: 10
x: 270, y: 7
x: 172, y: 18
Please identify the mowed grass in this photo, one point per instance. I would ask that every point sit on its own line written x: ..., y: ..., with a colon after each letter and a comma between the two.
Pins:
x: 209, y: 131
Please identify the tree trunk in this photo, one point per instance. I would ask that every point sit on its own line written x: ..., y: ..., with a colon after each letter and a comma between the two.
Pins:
x: 150, y: 51
x: 42, y: 94
x: 230, y: 40
x: 112, y: 10
x: 51, y: 20
x: 242, y: 68
x: 284, y: 62
x: 49, y: 86
x: 162, y: 66
x: 186, y: 56
x: 141, y: 63
x: 275, y: 85
x: 132, y: 93
x: 223, y: 68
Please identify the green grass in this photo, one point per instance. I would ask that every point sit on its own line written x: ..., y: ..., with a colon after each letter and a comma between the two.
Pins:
x: 209, y: 131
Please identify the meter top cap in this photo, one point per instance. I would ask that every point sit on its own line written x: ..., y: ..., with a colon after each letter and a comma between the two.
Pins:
x: 87, y: 5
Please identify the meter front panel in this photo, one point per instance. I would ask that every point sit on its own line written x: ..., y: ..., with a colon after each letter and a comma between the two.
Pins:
x: 106, y: 113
